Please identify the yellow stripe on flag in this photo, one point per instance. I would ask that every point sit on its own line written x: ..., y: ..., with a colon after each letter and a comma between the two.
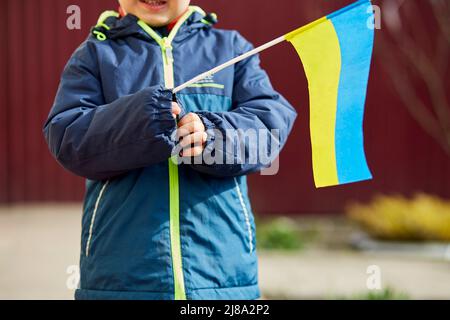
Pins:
x: 320, y: 53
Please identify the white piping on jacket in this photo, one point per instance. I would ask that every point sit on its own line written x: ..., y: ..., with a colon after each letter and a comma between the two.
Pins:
x: 91, y: 227
x: 247, y: 217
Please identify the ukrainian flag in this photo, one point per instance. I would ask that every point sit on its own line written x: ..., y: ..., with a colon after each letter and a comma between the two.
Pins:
x: 336, y: 53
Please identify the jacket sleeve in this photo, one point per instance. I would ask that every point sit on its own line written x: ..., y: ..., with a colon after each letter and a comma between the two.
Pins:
x: 259, y: 122
x: 99, y: 140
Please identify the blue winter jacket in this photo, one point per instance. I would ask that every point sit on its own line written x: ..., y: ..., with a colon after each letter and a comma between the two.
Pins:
x: 152, y: 229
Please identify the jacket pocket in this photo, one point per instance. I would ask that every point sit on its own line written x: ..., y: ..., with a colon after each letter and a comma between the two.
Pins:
x: 94, y: 214
x: 246, y: 213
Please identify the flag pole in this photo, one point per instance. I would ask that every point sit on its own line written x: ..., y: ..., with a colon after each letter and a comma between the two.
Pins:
x: 267, y: 45
x: 230, y: 62
x: 250, y: 53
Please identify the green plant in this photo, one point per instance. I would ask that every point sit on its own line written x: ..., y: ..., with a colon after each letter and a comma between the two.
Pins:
x: 385, y: 294
x: 422, y: 218
x: 279, y: 234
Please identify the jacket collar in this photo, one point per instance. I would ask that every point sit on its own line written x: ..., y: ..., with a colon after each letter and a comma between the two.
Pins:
x: 114, y: 27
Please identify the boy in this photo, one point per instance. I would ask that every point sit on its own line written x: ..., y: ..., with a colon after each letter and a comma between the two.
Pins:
x: 152, y: 229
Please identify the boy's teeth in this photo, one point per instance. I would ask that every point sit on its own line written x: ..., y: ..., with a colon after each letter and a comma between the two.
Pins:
x: 154, y: 2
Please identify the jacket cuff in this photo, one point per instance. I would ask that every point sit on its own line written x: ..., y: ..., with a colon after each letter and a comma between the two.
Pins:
x: 209, y: 128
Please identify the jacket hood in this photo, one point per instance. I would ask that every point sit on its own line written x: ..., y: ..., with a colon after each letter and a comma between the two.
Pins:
x: 111, y: 26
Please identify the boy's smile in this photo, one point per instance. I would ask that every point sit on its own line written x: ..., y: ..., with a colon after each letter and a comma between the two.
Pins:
x: 156, y: 13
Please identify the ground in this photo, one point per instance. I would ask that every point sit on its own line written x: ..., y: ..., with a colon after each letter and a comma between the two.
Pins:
x: 39, y: 244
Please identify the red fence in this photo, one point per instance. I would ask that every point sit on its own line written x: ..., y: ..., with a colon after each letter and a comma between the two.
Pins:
x: 35, y: 45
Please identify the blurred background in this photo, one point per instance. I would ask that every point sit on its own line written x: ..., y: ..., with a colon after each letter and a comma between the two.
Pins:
x: 332, y: 243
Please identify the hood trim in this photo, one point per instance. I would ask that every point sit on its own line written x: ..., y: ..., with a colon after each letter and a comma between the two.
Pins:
x: 111, y: 25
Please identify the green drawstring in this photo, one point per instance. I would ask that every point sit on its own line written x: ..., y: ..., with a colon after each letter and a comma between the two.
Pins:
x: 101, y: 25
x: 100, y: 35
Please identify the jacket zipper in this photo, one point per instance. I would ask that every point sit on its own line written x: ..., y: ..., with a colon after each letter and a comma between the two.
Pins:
x: 175, y: 241
x: 167, y: 51
x: 94, y: 214
x: 174, y: 221
x: 174, y: 201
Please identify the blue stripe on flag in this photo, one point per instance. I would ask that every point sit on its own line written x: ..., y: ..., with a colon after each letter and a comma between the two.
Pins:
x: 356, y: 42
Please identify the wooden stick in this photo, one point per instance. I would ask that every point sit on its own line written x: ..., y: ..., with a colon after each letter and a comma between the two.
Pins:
x: 230, y: 63
x: 269, y: 44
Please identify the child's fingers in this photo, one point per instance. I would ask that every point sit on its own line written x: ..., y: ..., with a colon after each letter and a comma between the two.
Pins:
x: 190, y: 117
x: 176, y: 110
x: 194, y: 138
x: 193, y: 152
x: 191, y: 127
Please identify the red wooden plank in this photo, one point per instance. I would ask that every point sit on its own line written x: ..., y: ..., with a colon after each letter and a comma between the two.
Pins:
x: 3, y: 106
x: 49, y: 55
x: 31, y: 85
x: 17, y: 101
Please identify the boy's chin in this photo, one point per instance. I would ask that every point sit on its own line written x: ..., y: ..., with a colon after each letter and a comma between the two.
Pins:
x: 159, y: 22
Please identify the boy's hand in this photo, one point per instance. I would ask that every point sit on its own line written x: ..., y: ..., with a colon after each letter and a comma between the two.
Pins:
x: 176, y: 110
x: 192, y: 135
